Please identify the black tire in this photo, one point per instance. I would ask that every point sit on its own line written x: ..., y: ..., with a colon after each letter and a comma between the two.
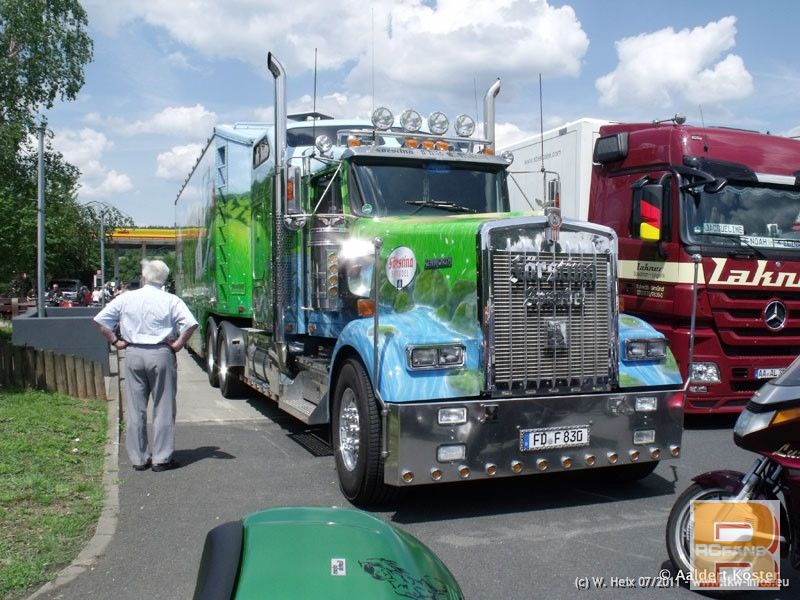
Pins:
x: 679, y: 524
x: 629, y: 473
x: 211, y: 354
x: 230, y: 383
x: 356, y: 436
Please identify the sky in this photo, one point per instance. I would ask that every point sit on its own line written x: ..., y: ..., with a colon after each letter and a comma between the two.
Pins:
x: 165, y: 73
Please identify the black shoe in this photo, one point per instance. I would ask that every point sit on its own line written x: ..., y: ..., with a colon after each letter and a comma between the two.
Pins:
x: 143, y: 467
x: 165, y: 466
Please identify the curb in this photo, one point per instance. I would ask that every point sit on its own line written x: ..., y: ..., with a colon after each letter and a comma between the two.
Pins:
x: 107, y: 523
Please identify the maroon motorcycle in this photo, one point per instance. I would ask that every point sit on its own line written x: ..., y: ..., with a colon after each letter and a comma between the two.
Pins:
x: 770, y: 426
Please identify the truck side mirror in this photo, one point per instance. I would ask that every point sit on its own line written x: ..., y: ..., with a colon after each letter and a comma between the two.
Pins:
x: 648, y: 203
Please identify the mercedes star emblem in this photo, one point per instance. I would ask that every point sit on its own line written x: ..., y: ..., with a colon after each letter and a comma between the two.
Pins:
x: 775, y: 315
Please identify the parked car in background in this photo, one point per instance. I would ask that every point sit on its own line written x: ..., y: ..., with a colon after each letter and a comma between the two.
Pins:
x: 67, y: 288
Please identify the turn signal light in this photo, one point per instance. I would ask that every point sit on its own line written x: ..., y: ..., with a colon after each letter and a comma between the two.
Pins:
x: 675, y: 451
x: 541, y: 464
x: 516, y: 466
x: 442, y: 145
x: 491, y: 469
x: 365, y: 307
x: 436, y: 474
x: 590, y: 459
x: 655, y: 453
x: 489, y: 151
x: 408, y: 476
x: 634, y: 454
x: 566, y: 462
x: 783, y: 416
x: 428, y: 144
x: 411, y: 143
x: 612, y: 457
x: 463, y: 471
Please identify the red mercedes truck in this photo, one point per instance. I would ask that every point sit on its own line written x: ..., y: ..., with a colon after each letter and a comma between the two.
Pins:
x: 715, y: 206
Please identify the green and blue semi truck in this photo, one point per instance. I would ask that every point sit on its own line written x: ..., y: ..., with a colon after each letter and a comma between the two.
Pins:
x: 369, y: 277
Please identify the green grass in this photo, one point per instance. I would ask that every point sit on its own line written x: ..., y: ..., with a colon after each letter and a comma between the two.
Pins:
x: 5, y: 331
x: 51, y: 493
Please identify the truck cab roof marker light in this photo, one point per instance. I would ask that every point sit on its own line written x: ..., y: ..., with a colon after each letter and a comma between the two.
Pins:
x: 411, y: 142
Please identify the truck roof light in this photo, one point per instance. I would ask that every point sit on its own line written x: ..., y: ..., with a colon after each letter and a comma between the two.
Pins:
x: 440, y: 145
x: 353, y: 141
x: 410, y: 121
x: 464, y: 125
x: 488, y: 151
x: 382, y: 118
x: 323, y: 143
x: 411, y: 142
x: 428, y: 144
x: 507, y: 156
x: 438, y: 123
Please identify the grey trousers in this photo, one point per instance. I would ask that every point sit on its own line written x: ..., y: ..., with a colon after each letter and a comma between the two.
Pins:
x: 150, y: 371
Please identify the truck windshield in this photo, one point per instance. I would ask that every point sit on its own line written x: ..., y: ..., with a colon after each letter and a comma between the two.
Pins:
x: 761, y: 218
x: 428, y: 188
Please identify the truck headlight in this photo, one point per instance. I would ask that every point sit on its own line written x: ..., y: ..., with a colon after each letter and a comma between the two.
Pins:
x: 435, y: 357
x: 704, y: 372
x: 652, y: 349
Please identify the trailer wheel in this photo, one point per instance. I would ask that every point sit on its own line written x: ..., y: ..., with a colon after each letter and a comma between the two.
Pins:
x: 230, y: 384
x: 356, y: 437
x: 211, y: 354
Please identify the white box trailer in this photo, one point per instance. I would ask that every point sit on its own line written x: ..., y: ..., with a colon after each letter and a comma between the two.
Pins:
x: 567, y: 157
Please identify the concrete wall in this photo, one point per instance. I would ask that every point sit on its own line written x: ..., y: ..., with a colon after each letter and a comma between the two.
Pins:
x: 63, y: 330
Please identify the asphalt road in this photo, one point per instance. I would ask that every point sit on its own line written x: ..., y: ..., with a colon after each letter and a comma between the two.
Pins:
x: 523, y: 538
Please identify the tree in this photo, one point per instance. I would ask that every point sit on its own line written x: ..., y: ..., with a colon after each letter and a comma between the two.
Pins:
x: 44, y: 49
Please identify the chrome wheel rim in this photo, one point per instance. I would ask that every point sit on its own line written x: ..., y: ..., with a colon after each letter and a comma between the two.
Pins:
x: 222, y: 363
x: 682, y: 534
x: 349, y: 427
x: 210, y: 362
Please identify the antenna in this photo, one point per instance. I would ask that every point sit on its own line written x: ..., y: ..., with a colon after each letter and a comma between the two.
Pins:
x: 314, y: 106
x: 475, y: 91
x: 372, y: 12
x: 702, y: 119
x: 541, y: 138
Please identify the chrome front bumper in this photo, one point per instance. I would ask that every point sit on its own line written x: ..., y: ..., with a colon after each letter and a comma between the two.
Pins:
x: 491, y: 435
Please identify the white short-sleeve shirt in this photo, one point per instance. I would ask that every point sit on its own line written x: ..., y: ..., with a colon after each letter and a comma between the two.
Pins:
x: 148, y: 315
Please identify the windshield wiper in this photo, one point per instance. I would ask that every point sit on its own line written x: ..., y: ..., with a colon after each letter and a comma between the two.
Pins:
x: 733, y: 250
x: 441, y: 204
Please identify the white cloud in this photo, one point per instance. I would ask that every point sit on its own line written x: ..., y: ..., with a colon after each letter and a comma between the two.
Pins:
x: 178, y: 161
x: 84, y: 148
x: 112, y: 183
x: 194, y: 122
x: 336, y: 105
x: 664, y: 66
x: 507, y: 134
x: 434, y: 46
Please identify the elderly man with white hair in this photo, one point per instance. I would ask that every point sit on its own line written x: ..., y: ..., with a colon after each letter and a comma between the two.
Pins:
x: 154, y: 325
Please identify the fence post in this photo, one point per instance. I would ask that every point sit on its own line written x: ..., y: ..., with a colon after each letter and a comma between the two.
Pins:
x: 72, y: 383
x: 30, y: 367
x: 99, y: 381
x: 18, y: 366
x: 88, y: 374
x: 80, y: 377
x: 49, y: 371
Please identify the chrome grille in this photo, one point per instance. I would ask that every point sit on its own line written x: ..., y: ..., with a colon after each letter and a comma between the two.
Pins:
x: 551, y: 314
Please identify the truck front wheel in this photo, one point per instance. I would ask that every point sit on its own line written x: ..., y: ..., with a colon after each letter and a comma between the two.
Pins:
x: 357, y: 437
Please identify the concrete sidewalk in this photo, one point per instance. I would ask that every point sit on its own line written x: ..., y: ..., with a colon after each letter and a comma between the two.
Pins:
x: 233, y: 456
